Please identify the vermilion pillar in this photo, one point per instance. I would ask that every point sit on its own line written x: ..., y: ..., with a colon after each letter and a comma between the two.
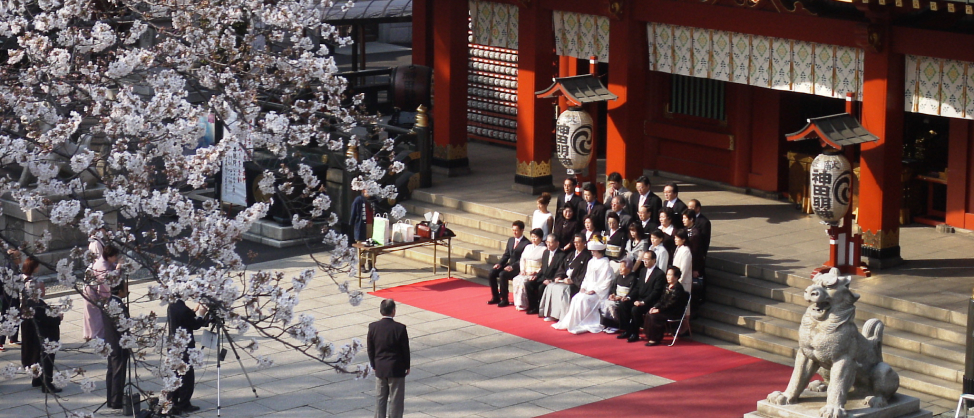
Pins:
x: 422, y: 33
x: 535, y: 117
x: 880, y: 187
x: 628, y: 73
x: 449, y: 27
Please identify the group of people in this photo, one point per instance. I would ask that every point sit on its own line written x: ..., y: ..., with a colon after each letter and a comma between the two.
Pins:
x: 594, y: 267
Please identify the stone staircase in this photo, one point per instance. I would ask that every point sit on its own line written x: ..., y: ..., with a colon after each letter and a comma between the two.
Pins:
x: 762, y: 309
x: 746, y: 305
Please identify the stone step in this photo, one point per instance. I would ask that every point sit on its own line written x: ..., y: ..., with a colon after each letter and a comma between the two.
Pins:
x: 899, y: 358
x: 455, y: 217
x: 495, y: 212
x: 782, y: 346
x: 425, y: 255
x: 944, y: 340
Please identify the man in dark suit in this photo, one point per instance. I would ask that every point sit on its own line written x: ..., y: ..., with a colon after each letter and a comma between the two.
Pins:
x: 591, y: 207
x: 363, y: 210
x: 645, y: 197
x: 34, y: 331
x: 643, y: 295
x: 671, y: 199
x: 703, y: 224
x: 508, y: 267
x: 551, y: 261
x: 646, y: 219
x: 180, y: 316
x: 388, y: 346
x: 569, y: 197
x: 572, y: 270
x: 118, y: 359
x: 618, y: 206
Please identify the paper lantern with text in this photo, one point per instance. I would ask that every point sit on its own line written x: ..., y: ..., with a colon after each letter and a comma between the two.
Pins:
x: 831, y: 186
x: 573, y: 139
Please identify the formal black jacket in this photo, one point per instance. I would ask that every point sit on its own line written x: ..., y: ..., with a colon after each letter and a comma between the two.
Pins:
x: 597, y: 213
x: 388, y: 346
x: 512, y: 255
x: 180, y: 316
x: 628, y: 280
x: 653, y: 201
x: 576, y: 203
x: 678, y: 208
x: 649, y: 292
x: 35, y: 330
x: 673, y: 301
x: 548, y: 271
x: 703, y: 224
x: 112, y: 336
x: 565, y: 229
x: 579, y: 264
x: 695, y: 244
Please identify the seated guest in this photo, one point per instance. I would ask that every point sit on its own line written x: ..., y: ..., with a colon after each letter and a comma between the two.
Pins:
x: 637, y: 242
x: 551, y: 260
x: 35, y: 331
x: 530, y: 265
x: 656, y: 240
x: 590, y: 231
x: 508, y: 267
x: 683, y: 259
x: 557, y: 294
x: 567, y: 226
x: 619, y: 291
x: 615, y: 237
x: 592, y: 207
x: 671, y: 306
x: 646, y: 291
x: 583, y: 312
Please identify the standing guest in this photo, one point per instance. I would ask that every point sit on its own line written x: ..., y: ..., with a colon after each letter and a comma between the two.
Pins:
x: 558, y: 293
x: 646, y: 291
x: 96, y: 293
x: 569, y: 198
x: 96, y: 244
x: 551, y: 261
x: 645, y: 197
x: 583, y: 312
x: 118, y: 359
x: 8, y: 301
x: 363, y: 210
x: 656, y: 240
x: 671, y: 199
x: 530, y: 266
x: 648, y: 218
x: 670, y: 307
x: 618, y: 207
x: 591, y: 232
x: 666, y: 219
x: 180, y: 316
x: 593, y: 208
x: 542, y: 218
x: 614, y: 187
x: 683, y: 259
x: 703, y: 224
x: 615, y: 238
x: 508, y: 267
x: 388, y: 345
x: 619, y: 291
x: 567, y: 227
x: 693, y: 241
x: 636, y: 243
x: 37, y: 329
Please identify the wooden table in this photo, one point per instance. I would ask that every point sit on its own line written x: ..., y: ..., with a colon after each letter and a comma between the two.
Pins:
x: 372, y: 252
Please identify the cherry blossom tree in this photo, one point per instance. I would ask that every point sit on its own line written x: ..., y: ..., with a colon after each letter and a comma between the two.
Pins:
x: 100, y: 109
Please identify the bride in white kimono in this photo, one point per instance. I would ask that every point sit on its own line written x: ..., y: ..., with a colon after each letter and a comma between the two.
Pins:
x: 583, y: 313
x: 530, y: 265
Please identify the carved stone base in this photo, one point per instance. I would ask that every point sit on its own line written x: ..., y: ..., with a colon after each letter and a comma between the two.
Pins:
x: 901, y: 406
x: 279, y: 236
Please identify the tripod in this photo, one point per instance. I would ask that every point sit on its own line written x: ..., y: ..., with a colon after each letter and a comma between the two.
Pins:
x: 221, y: 334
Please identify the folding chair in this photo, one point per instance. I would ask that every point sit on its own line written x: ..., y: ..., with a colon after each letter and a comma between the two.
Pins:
x: 685, y: 319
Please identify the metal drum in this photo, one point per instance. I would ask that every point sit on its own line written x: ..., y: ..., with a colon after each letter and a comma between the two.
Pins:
x: 412, y: 85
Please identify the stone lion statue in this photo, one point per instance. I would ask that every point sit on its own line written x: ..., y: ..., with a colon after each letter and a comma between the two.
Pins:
x: 829, y: 343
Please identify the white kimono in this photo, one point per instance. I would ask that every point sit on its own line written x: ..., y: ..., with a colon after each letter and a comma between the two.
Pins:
x: 583, y: 313
x: 530, y: 264
x: 683, y: 259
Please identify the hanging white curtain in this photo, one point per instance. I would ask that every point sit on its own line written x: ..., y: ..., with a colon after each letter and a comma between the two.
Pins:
x: 937, y: 86
x: 494, y: 24
x: 581, y: 35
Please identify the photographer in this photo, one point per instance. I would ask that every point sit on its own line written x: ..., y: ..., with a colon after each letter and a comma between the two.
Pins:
x: 180, y: 316
x: 118, y: 360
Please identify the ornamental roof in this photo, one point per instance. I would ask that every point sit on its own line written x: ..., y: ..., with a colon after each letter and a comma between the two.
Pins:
x: 837, y: 131
x: 579, y: 89
x: 373, y: 10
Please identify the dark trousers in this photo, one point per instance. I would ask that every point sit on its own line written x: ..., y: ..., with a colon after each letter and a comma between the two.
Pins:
x: 47, y: 365
x: 499, y: 281
x: 5, y: 304
x: 631, y: 316
x: 180, y: 397
x: 535, y: 288
x: 655, y: 324
x: 115, y: 378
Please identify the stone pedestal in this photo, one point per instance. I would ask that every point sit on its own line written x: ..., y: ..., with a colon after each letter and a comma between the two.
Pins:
x: 279, y: 236
x: 901, y: 406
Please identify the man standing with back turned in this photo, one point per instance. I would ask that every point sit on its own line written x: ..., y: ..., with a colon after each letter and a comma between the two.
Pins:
x: 388, y: 346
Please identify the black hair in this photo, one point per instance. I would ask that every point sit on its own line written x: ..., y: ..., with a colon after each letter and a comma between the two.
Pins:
x: 676, y: 188
x: 538, y: 232
x: 387, y: 307
x: 643, y: 180
x: 614, y: 176
x: 519, y: 224
x: 109, y: 251
x: 676, y: 271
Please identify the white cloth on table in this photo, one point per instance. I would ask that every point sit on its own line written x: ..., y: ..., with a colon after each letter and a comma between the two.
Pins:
x: 683, y: 259
x: 541, y: 220
x: 530, y: 264
x: 583, y: 313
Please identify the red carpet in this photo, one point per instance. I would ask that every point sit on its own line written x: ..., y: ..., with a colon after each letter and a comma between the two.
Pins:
x: 711, y: 381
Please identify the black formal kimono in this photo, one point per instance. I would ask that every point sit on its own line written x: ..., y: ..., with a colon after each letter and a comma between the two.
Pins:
x: 671, y: 307
x: 618, y: 238
x: 498, y: 277
x: 535, y: 287
x: 565, y: 229
x: 576, y: 202
x: 33, y: 332
x: 118, y: 359
x: 577, y: 263
x: 654, y: 203
x: 180, y: 316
